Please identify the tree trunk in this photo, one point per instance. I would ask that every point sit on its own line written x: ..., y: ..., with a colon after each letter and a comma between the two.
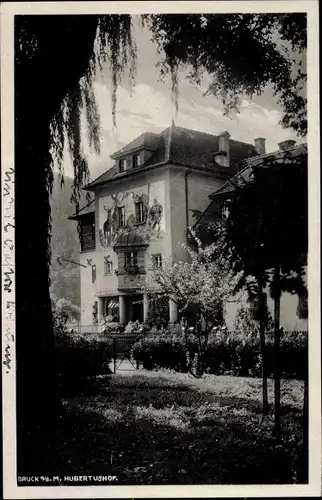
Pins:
x: 262, y: 328
x: 37, y: 394
x: 277, y: 382
x: 41, y: 83
x: 200, y: 368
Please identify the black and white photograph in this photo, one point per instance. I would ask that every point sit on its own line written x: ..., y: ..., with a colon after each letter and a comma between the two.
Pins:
x: 161, y: 267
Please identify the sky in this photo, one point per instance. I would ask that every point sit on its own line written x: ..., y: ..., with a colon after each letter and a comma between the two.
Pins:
x: 149, y: 107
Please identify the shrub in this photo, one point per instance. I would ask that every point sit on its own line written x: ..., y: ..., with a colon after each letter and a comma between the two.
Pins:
x: 175, y: 328
x: 60, y: 320
x: 158, y: 314
x: 135, y: 327
x: 64, y: 307
x: 80, y: 359
x: 245, y: 323
x: 293, y: 354
x: 228, y: 353
x: 113, y: 328
x: 225, y: 353
x: 160, y: 352
x: 165, y: 351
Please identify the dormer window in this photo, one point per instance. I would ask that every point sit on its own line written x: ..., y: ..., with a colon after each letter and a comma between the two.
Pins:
x: 136, y: 160
x: 122, y: 165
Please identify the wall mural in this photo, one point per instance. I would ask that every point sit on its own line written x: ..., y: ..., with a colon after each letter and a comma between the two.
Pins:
x: 150, y: 223
x: 156, y: 212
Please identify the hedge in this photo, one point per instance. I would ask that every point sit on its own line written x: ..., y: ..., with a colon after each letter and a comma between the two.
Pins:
x: 161, y: 352
x: 224, y: 354
x: 80, y: 359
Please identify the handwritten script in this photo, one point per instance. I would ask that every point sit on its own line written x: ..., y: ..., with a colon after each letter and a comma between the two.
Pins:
x: 8, y: 267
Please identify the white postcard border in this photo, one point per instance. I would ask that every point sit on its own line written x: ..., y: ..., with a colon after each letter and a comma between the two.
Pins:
x: 11, y: 490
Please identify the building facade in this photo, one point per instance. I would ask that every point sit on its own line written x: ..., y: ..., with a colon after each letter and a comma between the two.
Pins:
x: 141, y: 211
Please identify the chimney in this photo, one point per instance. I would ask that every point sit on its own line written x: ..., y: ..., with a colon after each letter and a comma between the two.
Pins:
x: 224, y: 147
x: 260, y: 145
x: 284, y: 145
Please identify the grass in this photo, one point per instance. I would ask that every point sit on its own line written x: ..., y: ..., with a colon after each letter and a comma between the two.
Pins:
x: 170, y: 428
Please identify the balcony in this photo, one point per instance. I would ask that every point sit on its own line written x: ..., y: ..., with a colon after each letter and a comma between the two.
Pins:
x: 131, y: 282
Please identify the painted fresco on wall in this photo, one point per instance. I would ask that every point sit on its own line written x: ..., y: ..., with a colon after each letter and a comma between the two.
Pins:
x: 140, y: 211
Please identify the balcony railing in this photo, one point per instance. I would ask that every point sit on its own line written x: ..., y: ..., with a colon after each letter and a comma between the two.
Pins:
x: 131, y: 281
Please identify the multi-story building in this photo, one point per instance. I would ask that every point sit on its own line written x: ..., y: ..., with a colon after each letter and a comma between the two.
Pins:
x: 142, y: 208
x: 218, y: 209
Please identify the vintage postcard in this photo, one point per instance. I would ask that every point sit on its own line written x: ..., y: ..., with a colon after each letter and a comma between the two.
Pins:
x: 161, y: 255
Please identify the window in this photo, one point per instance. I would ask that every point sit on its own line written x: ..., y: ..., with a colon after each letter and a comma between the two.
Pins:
x: 136, y: 161
x: 108, y: 266
x: 139, y: 212
x: 157, y: 261
x: 120, y: 216
x: 93, y: 274
x: 122, y: 164
x: 131, y: 262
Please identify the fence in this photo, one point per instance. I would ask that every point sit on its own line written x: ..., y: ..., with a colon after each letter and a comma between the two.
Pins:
x: 99, y: 328
x: 121, y: 344
x: 77, y: 328
x: 121, y: 349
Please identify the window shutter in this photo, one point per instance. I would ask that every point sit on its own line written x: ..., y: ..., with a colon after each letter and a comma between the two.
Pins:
x: 141, y: 261
x: 88, y: 233
x: 88, y: 241
x: 121, y: 262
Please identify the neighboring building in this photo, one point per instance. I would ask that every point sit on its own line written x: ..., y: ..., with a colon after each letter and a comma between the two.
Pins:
x: 218, y: 209
x: 143, y: 206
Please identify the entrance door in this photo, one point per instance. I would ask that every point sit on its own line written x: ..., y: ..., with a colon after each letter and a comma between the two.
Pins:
x: 137, y: 308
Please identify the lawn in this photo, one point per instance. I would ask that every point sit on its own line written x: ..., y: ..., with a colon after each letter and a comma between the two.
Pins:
x: 170, y: 428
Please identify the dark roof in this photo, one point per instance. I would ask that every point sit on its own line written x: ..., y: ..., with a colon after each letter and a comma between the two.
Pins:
x: 197, y: 149
x: 130, y: 239
x: 148, y: 140
x: 209, y: 215
x: 108, y: 175
x: 181, y: 146
x: 245, y: 174
x: 87, y: 209
x: 243, y: 177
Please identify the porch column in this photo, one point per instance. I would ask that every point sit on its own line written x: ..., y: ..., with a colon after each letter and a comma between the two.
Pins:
x: 100, y: 308
x: 122, y: 309
x: 173, y: 310
x: 145, y: 307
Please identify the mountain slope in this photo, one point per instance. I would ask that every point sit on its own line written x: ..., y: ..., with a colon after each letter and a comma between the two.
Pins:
x: 65, y: 276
